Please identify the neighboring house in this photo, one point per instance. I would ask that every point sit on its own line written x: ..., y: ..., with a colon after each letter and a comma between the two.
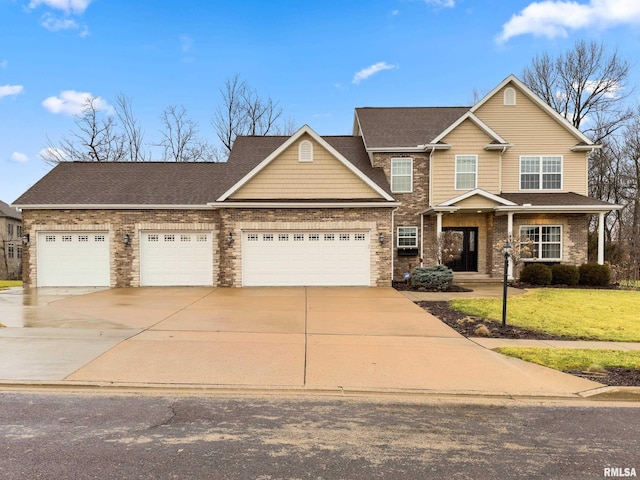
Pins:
x: 10, y: 243
x: 325, y: 210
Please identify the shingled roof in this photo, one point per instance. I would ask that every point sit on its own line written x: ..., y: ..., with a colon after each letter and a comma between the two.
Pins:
x: 551, y: 198
x: 171, y: 183
x: 7, y: 211
x: 397, y: 127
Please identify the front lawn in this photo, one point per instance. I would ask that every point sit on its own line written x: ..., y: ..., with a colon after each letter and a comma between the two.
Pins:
x: 572, y: 359
x: 585, y: 314
x: 10, y: 283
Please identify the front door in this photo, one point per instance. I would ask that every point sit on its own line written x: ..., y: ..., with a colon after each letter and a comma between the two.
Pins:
x: 466, y: 239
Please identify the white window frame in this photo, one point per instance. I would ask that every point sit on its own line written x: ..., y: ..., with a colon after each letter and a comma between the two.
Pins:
x: 475, y: 172
x: 404, y: 175
x: 305, y: 152
x: 541, y: 173
x: 540, y: 243
x: 405, y: 235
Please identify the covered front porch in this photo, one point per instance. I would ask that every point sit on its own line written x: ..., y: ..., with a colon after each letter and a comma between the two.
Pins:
x: 467, y: 232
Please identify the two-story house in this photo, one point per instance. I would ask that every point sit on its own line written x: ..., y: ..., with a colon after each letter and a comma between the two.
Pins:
x: 306, y: 209
x: 10, y: 243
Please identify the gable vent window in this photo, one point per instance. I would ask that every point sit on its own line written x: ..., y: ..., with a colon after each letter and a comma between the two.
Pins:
x: 510, y: 96
x: 305, y: 151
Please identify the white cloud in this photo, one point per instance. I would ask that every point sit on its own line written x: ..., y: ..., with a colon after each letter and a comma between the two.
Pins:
x: 3, y: 64
x: 372, y: 70
x: 554, y: 18
x: 71, y: 102
x: 54, y: 24
x: 441, y: 3
x: 10, y: 90
x: 52, y: 154
x: 68, y: 6
x: 186, y: 43
x: 19, y: 157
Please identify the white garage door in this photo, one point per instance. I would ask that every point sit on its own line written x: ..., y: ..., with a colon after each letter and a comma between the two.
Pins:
x: 305, y: 258
x: 73, y: 259
x: 176, y: 258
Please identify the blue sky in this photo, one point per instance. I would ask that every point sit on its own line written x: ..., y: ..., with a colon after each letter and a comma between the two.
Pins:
x: 319, y: 59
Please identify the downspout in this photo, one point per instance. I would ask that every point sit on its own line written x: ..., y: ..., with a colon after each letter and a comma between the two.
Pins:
x: 431, y: 177
x: 422, y: 239
x: 391, y: 241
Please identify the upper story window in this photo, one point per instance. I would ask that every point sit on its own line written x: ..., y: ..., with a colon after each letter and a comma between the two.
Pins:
x: 541, y: 173
x: 509, y: 96
x: 402, y: 175
x: 10, y: 230
x: 466, y: 172
x: 305, y: 151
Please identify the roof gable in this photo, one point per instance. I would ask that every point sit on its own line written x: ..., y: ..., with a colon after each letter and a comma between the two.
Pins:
x: 522, y: 88
x: 285, y: 148
x: 482, y: 198
x: 495, y: 138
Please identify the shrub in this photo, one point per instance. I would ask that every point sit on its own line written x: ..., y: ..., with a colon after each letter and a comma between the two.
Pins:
x: 438, y: 277
x: 594, y: 275
x: 536, y: 274
x: 565, y: 275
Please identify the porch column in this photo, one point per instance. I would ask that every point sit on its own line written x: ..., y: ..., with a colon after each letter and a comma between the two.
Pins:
x: 510, y: 238
x: 438, y: 223
x: 601, y: 238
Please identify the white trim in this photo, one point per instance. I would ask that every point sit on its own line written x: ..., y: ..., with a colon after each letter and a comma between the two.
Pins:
x: 482, y: 193
x: 324, y: 144
x: 111, y: 206
x: 541, y: 173
x: 557, y: 208
x: 415, y: 236
x: 305, y: 156
x: 479, y: 123
x: 455, y: 179
x: 537, y: 100
x: 304, y: 204
x: 410, y: 159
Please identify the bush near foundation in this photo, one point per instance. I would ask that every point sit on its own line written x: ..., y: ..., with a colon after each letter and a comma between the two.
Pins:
x: 565, y: 275
x: 438, y: 277
x: 594, y: 275
x: 536, y: 274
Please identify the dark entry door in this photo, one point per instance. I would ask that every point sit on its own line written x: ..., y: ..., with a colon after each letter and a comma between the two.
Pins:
x: 467, y: 240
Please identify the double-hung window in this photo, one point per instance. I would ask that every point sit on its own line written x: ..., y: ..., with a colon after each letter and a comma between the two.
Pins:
x: 402, y: 175
x: 541, y: 173
x: 466, y: 172
x: 545, y: 241
x: 407, y: 237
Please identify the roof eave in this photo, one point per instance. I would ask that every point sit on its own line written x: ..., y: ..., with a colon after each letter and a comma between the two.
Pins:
x: 355, y: 204
x: 110, y: 206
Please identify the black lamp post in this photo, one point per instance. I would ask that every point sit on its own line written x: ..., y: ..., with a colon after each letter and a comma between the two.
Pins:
x: 507, y: 249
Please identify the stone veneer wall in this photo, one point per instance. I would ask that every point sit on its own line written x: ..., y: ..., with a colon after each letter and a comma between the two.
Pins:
x: 575, y: 228
x: 413, y: 204
x: 374, y: 220
x: 125, y: 260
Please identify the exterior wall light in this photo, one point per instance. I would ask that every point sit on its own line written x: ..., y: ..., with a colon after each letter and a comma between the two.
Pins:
x: 126, y: 239
x: 25, y: 239
x: 229, y: 239
x: 381, y: 238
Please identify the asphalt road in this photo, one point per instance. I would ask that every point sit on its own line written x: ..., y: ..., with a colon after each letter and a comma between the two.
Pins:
x: 90, y: 436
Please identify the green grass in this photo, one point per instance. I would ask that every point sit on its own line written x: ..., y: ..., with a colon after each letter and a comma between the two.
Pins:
x: 566, y: 359
x: 10, y: 283
x: 572, y: 313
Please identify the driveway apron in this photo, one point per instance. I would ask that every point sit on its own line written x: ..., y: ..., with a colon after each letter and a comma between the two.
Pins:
x: 348, y: 338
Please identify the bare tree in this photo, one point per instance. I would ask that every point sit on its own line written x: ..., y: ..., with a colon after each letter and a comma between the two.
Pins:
x: 133, y: 136
x: 180, y: 141
x: 95, y: 138
x: 587, y: 85
x: 243, y: 112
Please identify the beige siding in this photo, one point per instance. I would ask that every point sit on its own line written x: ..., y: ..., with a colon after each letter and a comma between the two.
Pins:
x: 466, y: 139
x: 532, y: 131
x: 477, y: 201
x: 286, y: 178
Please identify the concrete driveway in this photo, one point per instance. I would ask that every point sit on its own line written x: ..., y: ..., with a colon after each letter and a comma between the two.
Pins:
x: 301, y: 338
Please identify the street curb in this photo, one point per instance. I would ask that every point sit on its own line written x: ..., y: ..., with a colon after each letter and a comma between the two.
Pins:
x: 610, y: 394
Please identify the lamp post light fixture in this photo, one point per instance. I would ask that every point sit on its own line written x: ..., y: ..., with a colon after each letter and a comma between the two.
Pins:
x: 507, y: 250
x: 381, y: 238
x: 126, y: 239
x: 229, y: 239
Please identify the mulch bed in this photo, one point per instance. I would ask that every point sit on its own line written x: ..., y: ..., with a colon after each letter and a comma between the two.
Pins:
x: 467, y: 326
